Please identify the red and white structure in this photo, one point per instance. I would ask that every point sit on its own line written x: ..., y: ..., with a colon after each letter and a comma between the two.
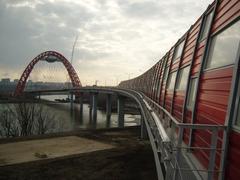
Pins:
x: 48, y: 56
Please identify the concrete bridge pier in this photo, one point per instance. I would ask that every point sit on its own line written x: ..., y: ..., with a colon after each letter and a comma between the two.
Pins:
x: 71, y: 104
x: 81, y: 108
x: 94, y: 107
x: 120, y: 108
x: 39, y: 96
x: 90, y: 108
x: 108, y: 109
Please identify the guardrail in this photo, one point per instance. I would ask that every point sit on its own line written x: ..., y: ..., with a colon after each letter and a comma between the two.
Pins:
x: 179, y: 159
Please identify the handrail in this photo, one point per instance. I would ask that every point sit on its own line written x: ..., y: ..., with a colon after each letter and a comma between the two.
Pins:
x: 187, y: 125
x: 176, y: 144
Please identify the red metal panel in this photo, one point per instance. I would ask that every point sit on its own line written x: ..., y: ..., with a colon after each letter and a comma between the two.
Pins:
x: 198, y: 58
x: 226, y: 14
x: 157, y: 73
x: 168, y: 100
x: 178, y: 105
x: 190, y: 46
x: 164, y: 84
x: 188, y: 52
x: 187, y: 119
x: 192, y: 39
x: 212, y: 107
x: 187, y: 59
x: 170, y: 57
x: 160, y: 80
x: 213, y: 96
x: 161, y: 84
x: 188, y: 116
x: 175, y: 66
x: 224, y: 7
x: 218, y: 73
x: 162, y: 94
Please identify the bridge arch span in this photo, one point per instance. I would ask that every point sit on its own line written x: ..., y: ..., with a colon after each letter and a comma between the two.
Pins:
x: 49, y: 56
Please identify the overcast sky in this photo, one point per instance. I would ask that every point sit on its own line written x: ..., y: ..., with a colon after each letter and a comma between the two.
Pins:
x: 117, y: 38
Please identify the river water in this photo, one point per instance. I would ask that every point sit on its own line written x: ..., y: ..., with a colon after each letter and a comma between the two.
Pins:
x: 65, y: 120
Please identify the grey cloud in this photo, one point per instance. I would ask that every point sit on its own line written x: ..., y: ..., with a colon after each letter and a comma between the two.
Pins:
x: 122, y: 36
x: 86, y: 54
x: 147, y: 9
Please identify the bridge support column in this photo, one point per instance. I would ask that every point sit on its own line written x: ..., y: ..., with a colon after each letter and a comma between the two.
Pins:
x: 94, y: 106
x: 71, y: 103
x: 120, y: 107
x: 90, y: 108
x: 39, y: 96
x: 108, y: 109
x: 81, y: 107
x: 143, y: 129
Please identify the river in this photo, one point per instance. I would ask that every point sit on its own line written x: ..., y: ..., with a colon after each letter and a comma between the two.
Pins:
x: 64, y: 120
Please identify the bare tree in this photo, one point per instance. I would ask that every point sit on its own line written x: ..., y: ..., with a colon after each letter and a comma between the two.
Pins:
x: 25, y: 113
x: 25, y: 119
x: 45, y: 121
x: 8, y: 128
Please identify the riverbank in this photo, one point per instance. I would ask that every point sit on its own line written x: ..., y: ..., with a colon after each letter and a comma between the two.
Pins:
x: 125, y: 158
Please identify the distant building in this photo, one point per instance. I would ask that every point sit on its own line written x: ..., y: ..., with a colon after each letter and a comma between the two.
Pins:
x: 6, y: 81
x: 8, y: 87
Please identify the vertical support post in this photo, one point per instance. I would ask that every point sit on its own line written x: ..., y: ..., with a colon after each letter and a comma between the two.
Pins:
x: 120, y: 107
x: 212, y: 157
x: 81, y: 107
x: 178, y: 153
x: 108, y: 109
x: 94, y: 106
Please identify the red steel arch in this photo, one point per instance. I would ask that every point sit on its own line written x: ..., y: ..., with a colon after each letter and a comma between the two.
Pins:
x: 44, y: 56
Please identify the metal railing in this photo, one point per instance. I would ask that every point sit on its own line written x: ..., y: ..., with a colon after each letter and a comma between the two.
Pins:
x: 181, y: 161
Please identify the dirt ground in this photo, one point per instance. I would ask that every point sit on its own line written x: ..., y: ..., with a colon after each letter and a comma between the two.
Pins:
x: 34, y: 150
x: 129, y: 159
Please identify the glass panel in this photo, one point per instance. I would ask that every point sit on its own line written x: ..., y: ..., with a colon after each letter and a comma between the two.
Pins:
x: 192, y: 93
x: 178, y: 50
x: 224, y: 47
x: 183, y: 77
x: 206, y: 26
x: 171, y: 81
